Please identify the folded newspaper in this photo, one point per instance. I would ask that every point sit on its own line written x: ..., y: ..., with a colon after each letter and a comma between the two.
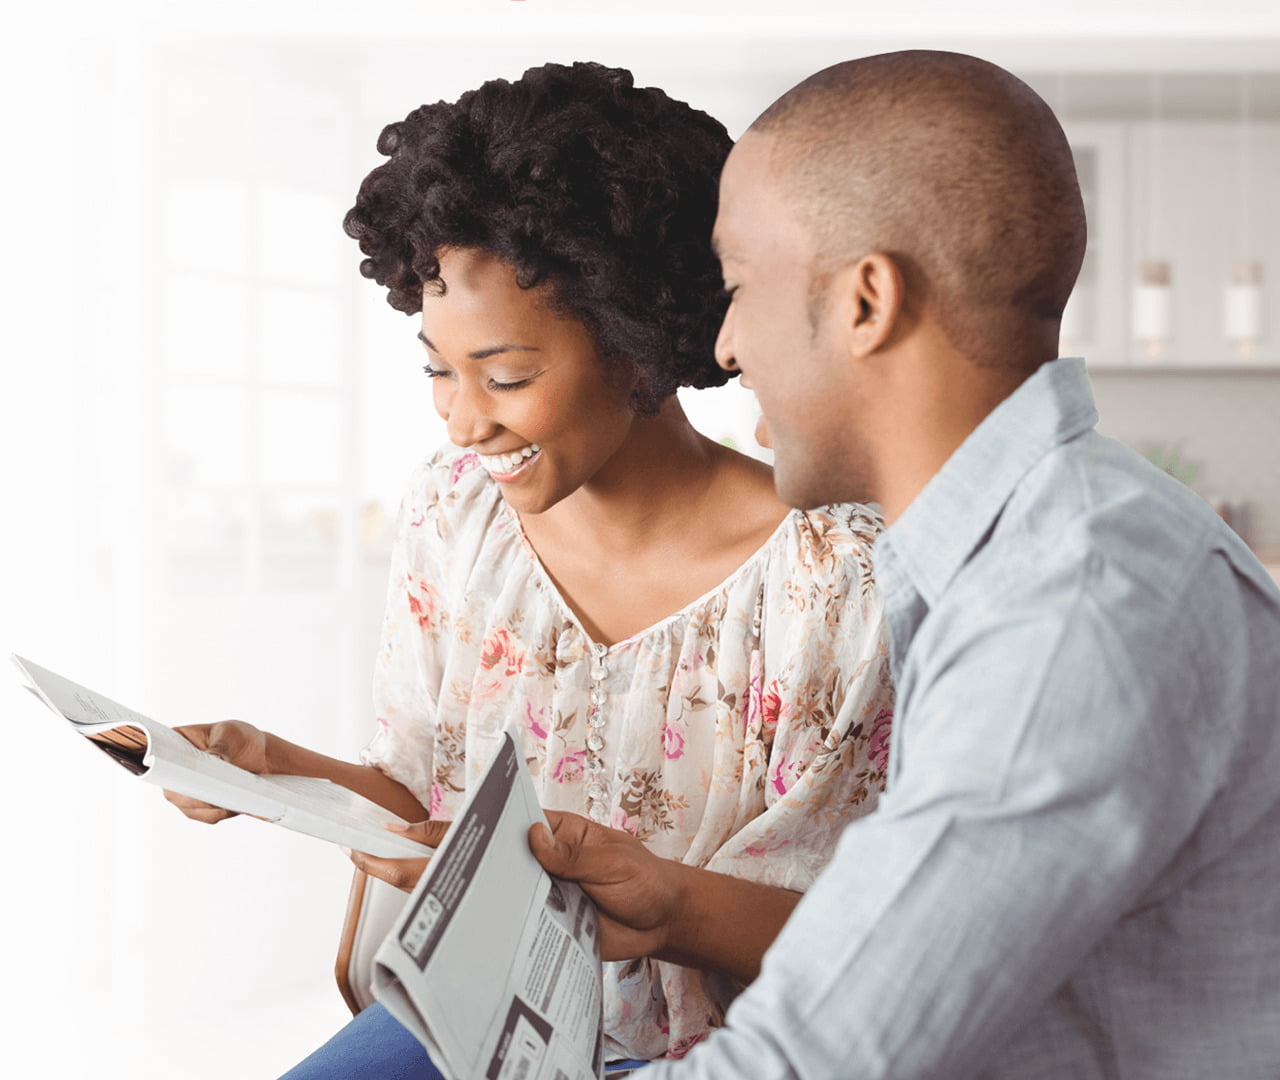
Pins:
x: 160, y: 755
x: 494, y: 965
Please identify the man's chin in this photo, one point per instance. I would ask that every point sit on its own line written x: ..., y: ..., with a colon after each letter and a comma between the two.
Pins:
x: 763, y: 436
x: 808, y: 488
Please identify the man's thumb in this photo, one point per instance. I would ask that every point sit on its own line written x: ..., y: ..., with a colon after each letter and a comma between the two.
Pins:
x: 546, y: 848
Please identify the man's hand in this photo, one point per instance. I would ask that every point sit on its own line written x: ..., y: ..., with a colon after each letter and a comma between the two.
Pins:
x: 637, y: 894
x: 659, y: 907
x: 232, y: 740
x: 403, y: 873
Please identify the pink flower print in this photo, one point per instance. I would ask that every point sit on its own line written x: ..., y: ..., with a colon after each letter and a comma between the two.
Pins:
x: 682, y: 1046
x: 568, y: 769
x: 673, y: 740
x: 621, y: 821
x: 536, y: 722
x: 501, y: 652
x: 463, y: 465
x: 878, y: 740
x: 754, y: 704
x: 424, y: 602
x: 771, y: 709
x: 758, y: 850
x: 785, y: 774
x: 436, y: 810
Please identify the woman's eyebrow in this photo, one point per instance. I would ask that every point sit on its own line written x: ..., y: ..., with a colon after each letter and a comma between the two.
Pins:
x: 482, y: 354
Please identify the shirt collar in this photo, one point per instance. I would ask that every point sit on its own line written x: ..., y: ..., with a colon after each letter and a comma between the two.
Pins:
x: 943, y: 525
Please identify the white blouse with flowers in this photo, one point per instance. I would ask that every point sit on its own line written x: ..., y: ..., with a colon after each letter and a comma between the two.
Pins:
x: 739, y: 734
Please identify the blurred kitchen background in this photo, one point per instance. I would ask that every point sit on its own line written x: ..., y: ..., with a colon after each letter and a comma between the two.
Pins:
x: 209, y: 414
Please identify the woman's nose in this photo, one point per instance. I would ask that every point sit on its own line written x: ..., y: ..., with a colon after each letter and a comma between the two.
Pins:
x: 466, y: 417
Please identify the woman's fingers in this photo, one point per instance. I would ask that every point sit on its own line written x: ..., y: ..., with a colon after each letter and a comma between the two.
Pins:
x: 430, y: 833
x: 197, y: 810
x: 403, y: 873
x: 231, y: 740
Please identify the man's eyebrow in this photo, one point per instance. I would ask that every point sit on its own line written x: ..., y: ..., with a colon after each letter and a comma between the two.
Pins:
x: 482, y: 354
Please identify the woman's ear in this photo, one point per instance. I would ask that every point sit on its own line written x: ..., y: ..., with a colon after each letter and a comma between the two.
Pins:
x: 875, y: 289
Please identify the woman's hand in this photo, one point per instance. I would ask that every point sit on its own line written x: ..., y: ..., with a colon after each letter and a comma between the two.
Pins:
x: 232, y: 740
x: 403, y: 873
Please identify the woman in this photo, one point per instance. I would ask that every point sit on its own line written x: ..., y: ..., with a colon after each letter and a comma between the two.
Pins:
x: 688, y: 659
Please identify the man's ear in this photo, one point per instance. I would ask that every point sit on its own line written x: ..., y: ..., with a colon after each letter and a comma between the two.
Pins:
x: 875, y: 293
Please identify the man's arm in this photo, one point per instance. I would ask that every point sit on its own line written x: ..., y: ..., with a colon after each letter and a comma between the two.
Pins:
x: 657, y: 907
x: 1036, y: 805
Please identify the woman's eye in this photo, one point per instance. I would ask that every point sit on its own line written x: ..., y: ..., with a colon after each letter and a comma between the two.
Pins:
x: 500, y: 386
x: 434, y: 373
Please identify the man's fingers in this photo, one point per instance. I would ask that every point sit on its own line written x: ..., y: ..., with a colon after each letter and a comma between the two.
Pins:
x: 554, y: 856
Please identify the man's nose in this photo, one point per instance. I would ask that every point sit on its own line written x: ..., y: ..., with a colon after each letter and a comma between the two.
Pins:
x: 724, y: 351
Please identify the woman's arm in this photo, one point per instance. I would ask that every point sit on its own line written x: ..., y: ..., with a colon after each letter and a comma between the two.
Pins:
x: 267, y: 754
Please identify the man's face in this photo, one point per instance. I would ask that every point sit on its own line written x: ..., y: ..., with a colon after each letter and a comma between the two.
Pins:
x: 796, y: 366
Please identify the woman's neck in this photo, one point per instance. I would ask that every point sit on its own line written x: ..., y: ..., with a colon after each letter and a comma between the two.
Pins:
x: 659, y: 476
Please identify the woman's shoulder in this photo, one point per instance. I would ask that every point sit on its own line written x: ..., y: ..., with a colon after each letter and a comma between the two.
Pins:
x: 833, y: 543
x: 450, y: 497
x: 452, y: 479
x: 845, y: 526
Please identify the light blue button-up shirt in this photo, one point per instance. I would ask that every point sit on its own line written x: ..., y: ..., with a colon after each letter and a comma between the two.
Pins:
x: 1075, y: 872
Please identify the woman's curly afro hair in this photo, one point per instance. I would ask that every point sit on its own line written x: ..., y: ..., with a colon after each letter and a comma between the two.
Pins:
x: 579, y: 180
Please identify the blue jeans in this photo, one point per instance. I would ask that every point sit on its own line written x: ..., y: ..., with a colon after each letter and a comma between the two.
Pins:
x: 375, y: 1044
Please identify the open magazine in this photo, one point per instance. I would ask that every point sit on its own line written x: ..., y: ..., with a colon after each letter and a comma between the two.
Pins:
x: 494, y: 965
x: 161, y: 756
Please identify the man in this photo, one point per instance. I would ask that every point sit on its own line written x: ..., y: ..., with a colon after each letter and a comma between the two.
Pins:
x: 1075, y: 871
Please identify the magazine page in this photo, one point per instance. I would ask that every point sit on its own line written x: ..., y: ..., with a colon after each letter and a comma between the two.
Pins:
x: 495, y: 965
x: 161, y: 756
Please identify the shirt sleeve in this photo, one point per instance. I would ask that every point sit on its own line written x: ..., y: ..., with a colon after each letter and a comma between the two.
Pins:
x: 1049, y: 772
x: 407, y: 671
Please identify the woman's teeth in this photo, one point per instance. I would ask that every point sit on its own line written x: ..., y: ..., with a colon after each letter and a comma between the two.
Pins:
x: 502, y: 464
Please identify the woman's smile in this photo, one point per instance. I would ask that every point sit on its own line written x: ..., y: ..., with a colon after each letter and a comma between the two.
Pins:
x: 512, y: 465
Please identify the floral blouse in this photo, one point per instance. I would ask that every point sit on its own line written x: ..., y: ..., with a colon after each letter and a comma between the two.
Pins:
x: 739, y: 734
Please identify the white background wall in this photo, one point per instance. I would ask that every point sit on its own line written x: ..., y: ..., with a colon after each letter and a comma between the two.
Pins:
x: 195, y: 952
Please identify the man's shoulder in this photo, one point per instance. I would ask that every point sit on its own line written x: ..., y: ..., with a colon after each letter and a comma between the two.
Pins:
x: 1094, y: 506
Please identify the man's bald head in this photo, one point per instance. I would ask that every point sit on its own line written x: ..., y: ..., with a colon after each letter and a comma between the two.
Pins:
x: 957, y: 170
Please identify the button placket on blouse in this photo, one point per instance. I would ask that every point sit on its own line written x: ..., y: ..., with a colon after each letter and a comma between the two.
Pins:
x: 597, y: 790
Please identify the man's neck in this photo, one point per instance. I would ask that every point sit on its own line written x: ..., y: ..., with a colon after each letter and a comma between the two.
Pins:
x: 940, y: 398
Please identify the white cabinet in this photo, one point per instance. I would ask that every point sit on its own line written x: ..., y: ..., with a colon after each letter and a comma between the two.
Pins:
x: 1174, y: 191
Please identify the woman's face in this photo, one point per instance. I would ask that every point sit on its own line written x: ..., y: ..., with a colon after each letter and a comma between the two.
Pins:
x: 520, y: 384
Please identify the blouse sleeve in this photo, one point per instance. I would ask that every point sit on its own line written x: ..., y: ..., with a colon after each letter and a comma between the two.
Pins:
x: 821, y: 700
x: 410, y: 660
